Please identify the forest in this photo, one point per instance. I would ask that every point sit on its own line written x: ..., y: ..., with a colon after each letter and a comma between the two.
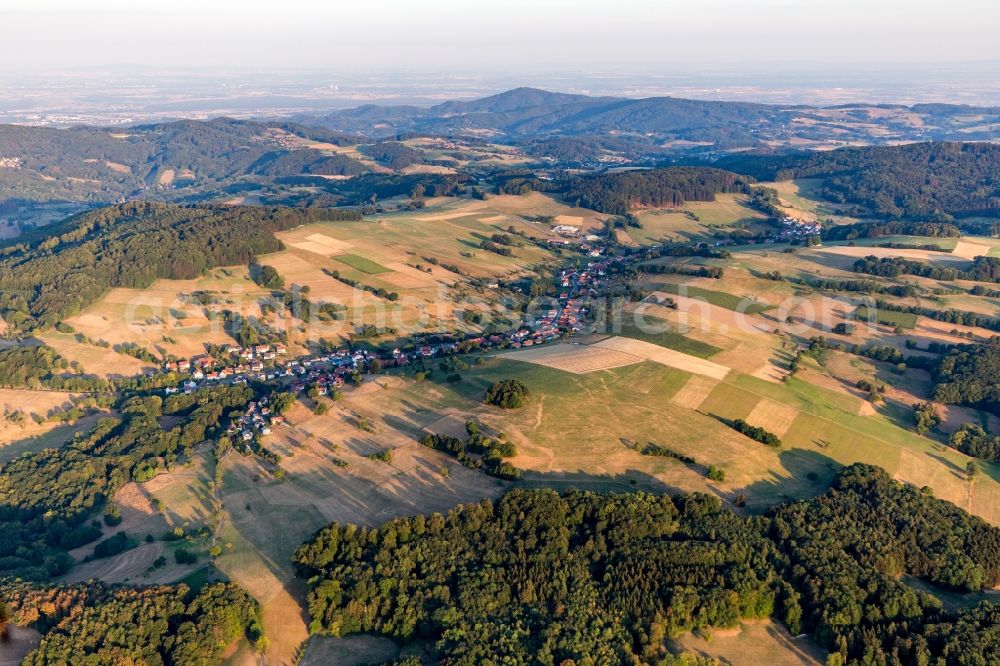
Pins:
x: 908, y: 181
x: 969, y: 375
x: 94, y: 623
x: 606, y: 578
x: 98, y: 164
x: 131, y: 245
x: 670, y: 187
x: 843, y: 232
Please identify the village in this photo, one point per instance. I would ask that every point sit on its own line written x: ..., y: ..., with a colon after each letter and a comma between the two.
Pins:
x: 321, y: 374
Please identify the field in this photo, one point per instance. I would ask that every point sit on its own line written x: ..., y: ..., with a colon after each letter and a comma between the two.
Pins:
x: 658, y: 332
x: 18, y: 438
x: 161, y: 319
x: 17, y: 643
x: 695, y: 221
x: 657, y: 354
x: 822, y: 427
x: 424, y: 258
x: 349, y: 651
x: 800, y: 199
x: 95, y: 360
x: 887, y: 317
x: 578, y: 359
x: 844, y: 256
x: 723, y: 299
x: 360, y: 263
x: 753, y: 643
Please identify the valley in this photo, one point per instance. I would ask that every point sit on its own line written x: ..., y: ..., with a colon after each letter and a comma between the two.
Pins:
x: 209, y: 405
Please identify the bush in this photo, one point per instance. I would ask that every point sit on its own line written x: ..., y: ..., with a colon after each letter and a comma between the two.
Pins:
x: 112, y: 545
x: 184, y: 556
x: 507, y: 393
x: 112, y: 516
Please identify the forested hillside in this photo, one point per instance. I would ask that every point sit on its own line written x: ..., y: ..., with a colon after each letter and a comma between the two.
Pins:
x: 609, y: 577
x: 101, y: 164
x: 914, y: 180
x: 618, y: 193
x: 131, y: 245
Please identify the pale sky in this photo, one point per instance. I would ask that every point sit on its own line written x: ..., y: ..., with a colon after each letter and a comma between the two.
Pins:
x: 508, y: 35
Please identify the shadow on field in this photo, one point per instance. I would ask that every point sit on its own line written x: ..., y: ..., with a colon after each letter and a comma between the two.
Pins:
x: 809, y: 473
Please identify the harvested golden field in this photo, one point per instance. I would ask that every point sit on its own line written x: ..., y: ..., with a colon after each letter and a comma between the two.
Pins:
x: 844, y: 256
x: 772, y: 416
x: 94, y: 360
x: 668, y: 357
x: 322, y: 244
x: 753, y: 644
x: 694, y: 391
x: 968, y: 248
x: 578, y: 359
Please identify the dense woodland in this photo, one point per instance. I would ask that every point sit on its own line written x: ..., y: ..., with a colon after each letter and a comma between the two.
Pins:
x: 93, y: 623
x: 969, y: 376
x: 618, y: 193
x: 131, y: 245
x: 912, y: 180
x: 542, y: 578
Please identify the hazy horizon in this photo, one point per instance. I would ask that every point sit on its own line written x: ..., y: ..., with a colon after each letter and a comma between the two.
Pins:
x: 113, y: 61
x: 516, y: 36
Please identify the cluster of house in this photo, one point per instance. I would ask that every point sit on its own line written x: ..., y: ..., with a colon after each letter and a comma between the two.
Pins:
x: 799, y: 229
x: 9, y: 162
x: 264, y: 362
x: 246, y: 361
x: 256, y: 420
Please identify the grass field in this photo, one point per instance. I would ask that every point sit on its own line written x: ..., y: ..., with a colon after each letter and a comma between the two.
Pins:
x: 912, y: 242
x: 887, y: 317
x: 695, y: 221
x: 360, y: 263
x: 821, y: 429
x: 721, y: 298
x: 27, y: 436
x: 656, y: 331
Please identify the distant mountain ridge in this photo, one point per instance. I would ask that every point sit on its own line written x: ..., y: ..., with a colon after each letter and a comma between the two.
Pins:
x: 530, y: 112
